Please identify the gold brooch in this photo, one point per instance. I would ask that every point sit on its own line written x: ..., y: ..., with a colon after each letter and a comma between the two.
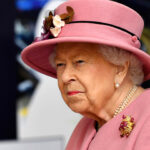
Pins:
x: 126, y: 126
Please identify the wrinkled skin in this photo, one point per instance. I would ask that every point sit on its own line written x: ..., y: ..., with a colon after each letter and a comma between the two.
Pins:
x: 86, y: 80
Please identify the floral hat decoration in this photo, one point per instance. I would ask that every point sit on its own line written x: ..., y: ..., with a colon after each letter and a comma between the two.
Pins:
x: 52, y: 24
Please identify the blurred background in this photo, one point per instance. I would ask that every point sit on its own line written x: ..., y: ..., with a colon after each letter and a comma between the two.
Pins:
x: 31, y: 106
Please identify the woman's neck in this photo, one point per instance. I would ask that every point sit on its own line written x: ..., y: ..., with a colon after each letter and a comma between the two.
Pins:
x: 107, y: 112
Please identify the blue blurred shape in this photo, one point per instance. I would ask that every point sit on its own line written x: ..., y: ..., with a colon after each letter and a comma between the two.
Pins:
x: 27, y: 5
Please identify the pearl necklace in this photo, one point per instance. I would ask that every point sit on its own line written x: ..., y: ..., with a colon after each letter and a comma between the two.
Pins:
x: 126, y: 100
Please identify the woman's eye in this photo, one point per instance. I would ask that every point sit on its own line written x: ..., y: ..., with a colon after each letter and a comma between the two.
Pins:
x: 80, y: 61
x: 60, y: 64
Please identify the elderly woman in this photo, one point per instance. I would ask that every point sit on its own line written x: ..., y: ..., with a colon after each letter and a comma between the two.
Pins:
x: 92, y: 47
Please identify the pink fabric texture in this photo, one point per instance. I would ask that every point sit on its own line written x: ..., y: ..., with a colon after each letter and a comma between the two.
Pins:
x: 108, y: 137
x: 37, y: 54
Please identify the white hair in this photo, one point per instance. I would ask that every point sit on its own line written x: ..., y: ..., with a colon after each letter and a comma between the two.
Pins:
x: 118, y: 56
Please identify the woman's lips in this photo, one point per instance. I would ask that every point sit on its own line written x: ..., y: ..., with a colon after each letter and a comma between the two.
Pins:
x: 73, y: 93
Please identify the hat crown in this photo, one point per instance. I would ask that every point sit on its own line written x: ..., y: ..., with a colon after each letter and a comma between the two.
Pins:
x: 96, y: 21
x: 105, y: 11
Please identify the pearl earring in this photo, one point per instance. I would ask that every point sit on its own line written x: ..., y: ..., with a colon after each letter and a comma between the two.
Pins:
x: 117, y: 85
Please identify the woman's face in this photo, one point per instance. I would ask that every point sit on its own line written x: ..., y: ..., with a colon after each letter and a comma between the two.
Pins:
x: 85, y: 79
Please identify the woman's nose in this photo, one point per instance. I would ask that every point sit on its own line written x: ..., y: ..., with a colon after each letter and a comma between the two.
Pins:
x: 68, y: 74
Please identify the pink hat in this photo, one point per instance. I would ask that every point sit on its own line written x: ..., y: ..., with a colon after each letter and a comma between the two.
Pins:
x: 96, y: 21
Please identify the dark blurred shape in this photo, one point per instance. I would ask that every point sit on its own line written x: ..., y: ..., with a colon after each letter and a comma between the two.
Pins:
x: 146, y: 84
x: 8, y: 72
x: 26, y: 82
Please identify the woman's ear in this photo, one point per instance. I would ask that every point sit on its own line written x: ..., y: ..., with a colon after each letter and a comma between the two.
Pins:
x: 121, y: 72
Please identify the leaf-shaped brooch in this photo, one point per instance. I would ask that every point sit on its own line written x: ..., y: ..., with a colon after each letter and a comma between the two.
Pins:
x: 126, y: 126
x: 53, y: 23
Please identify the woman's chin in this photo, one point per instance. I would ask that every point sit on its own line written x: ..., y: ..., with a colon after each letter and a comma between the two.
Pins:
x: 77, y: 103
x: 78, y: 107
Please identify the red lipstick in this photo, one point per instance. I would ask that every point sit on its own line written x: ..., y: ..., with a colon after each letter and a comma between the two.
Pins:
x: 73, y: 93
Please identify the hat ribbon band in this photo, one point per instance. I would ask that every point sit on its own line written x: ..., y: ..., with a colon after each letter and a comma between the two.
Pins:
x: 107, y: 24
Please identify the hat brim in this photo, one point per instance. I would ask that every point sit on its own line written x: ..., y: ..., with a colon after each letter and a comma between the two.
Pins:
x: 37, y: 54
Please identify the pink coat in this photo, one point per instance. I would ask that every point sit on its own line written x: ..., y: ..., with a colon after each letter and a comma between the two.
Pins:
x: 108, y: 137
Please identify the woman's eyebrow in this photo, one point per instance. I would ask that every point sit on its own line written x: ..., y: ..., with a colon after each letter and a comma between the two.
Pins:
x: 57, y: 58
